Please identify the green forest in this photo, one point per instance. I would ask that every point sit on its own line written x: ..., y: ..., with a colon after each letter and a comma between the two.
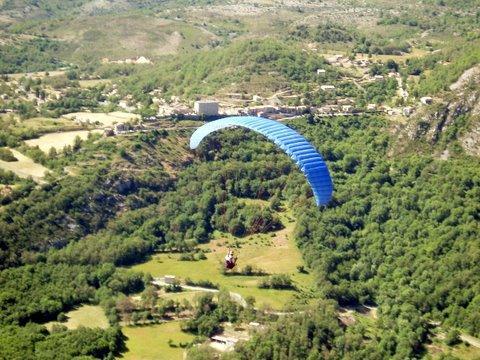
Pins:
x: 113, y: 231
x: 30, y: 56
x: 400, y: 232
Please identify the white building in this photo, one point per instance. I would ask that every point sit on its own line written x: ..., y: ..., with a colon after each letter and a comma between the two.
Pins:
x: 426, y: 100
x: 124, y: 105
x: 143, y: 60
x: 335, y: 59
x: 327, y: 87
x: 206, y: 107
x: 407, y: 111
x: 261, y: 110
x: 223, y: 343
x: 169, y: 279
x: 321, y: 72
x: 119, y: 128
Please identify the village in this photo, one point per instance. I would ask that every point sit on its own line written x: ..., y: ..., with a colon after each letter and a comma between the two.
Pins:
x: 112, y: 111
x: 280, y: 105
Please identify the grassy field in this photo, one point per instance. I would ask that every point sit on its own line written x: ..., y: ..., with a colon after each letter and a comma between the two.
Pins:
x: 91, y: 316
x: 179, y: 296
x: 58, y: 140
x: 274, y: 253
x: 151, y: 342
x: 24, y: 167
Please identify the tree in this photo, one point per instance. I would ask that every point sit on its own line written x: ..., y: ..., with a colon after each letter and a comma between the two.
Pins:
x: 77, y: 143
x: 52, y: 153
x: 453, y: 337
x: 392, y: 65
x: 125, y: 306
x: 149, y: 297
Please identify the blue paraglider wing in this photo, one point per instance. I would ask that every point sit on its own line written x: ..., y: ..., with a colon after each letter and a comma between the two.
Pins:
x: 300, y: 150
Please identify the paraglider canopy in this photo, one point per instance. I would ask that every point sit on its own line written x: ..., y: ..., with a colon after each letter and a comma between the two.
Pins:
x: 300, y: 150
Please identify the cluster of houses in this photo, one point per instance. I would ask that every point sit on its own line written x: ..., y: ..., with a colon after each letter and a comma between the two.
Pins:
x: 243, y: 104
x: 141, y: 60
x: 123, y: 128
x: 344, y: 61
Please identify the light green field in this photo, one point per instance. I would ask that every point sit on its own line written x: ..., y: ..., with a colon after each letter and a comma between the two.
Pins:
x: 91, y: 316
x: 179, y: 296
x: 47, y: 125
x: 151, y: 342
x: 40, y: 125
x: 274, y: 253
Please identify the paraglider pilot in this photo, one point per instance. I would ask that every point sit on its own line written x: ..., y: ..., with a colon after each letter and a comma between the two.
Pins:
x: 230, y: 260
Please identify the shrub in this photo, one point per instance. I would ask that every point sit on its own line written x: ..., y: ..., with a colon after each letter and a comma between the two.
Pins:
x: 7, y: 155
x: 201, y: 256
x: 202, y: 283
x: 452, y: 337
x: 61, y: 317
x: 301, y: 269
x: 250, y: 270
x: 187, y: 257
x: 280, y: 282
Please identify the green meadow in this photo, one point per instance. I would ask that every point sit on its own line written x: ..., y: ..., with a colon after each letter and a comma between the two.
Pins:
x: 91, y: 316
x: 152, y: 342
x: 274, y: 253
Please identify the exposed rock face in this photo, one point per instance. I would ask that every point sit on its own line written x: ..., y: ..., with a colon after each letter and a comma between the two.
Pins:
x: 471, y: 74
x: 463, y: 101
x: 471, y: 140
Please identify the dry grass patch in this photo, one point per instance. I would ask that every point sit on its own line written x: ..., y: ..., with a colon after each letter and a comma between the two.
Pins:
x: 103, y: 119
x: 36, y: 75
x: 25, y: 167
x: 58, y: 140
